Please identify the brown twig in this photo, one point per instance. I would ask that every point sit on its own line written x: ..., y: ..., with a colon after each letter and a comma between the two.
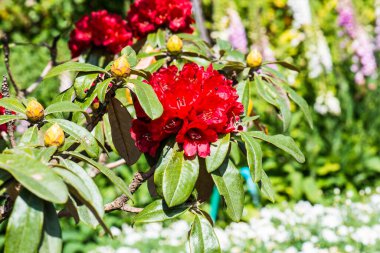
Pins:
x: 6, y: 209
x: 10, y: 124
x: 120, y: 203
x: 6, y: 50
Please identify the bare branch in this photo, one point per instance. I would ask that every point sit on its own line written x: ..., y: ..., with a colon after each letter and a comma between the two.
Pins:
x: 10, y: 124
x: 197, y: 8
x: 6, y: 209
x: 138, y: 179
x: 6, y: 50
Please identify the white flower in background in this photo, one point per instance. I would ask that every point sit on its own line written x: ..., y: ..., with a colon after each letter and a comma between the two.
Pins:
x: 327, y: 103
x: 127, y: 250
x: 319, y: 56
x: 330, y: 236
x: 301, y: 12
x: 365, y: 235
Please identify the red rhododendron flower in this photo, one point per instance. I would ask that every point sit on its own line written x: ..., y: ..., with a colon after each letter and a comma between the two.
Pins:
x: 3, y: 127
x: 146, y: 16
x: 198, y: 105
x: 100, y: 29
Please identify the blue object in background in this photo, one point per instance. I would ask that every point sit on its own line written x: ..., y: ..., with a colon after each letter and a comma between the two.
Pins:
x: 253, y: 190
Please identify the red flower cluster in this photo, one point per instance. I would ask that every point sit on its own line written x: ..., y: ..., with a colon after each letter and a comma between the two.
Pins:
x: 146, y: 16
x: 3, y: 127
x: 198, y: 105
x: 100, y: 29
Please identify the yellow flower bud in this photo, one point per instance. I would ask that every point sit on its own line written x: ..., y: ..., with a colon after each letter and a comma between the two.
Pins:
x: 34, y: 111
x: 121, y: 67
x: 54, y: 136
x: 254, y: 59
x: 174, y: 44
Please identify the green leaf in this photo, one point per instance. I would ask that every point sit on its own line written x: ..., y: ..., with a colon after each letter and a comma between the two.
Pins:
x: 200, y: 61
x: 266, y: 186
x: 156, y: 66
x: 284, y: 105
x: 284, y: 64
x: 106, y: 171
x: 283, y: 142
x: 202, y: 236
x: 81, y: 134
x: 96, y: 197
x: 73, y: 66
x: 64, y: 106
x: 254, y: 156
x: 121, y: 123
x: 51, y: 238
x: 102, y: 89
x: 243, y: 90
x: 218, y: 152
x: 13, y: 104
x: 230, y: 185
x: 44, y: 154
x: 30, y: 137
x: 6, y: 118
x: 158, y: 211
x: 179, y: 179
x: 301, y: 103
x: 130, y: 54
x: 147, y: 98
x: 165, y: 161
x: 25, y: 224
x: 83, y: 83
x: 262, y: 90
x: 35, y: 176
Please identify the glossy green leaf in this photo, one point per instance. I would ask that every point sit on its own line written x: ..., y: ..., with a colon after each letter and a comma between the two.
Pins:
x: 6, y: 118
x: 44, y: 154
x: 179, y: 179
x: 284, y: 105
x: 283, y: 142
x: 202, y: 236
x: 262, y: 90
x: 51, y: 241
x: 164, y: 163
x: 106, y: 171
x: 29, y: 137
x: 96, y: 197
x: 35, y: 176
x: 83, y: 83
x: 218, y: 152
x: 13, y: 104
x: 108, y: 133
x: 243, y: 90
x: 130, y: 54
x: 81, y: 134
x: 73, y: 66
x: 102, y: 89
x: 301, y: 103
x: 230, y: 185
x: 285, y: 65
x: 64, y: 106
x: 155, y: 66
x: 158, y: 211
x: 266, y: 186
x: 25, y: 224
x: 121, y: 123
x: 147, y: 98
x: 81, y: 192
x: 254, y: 156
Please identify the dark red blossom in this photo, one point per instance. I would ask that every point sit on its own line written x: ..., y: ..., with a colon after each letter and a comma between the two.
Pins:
x: 146, y: 16
x: 3, y: 127
x: 100, y: 29
x: 198, y: 105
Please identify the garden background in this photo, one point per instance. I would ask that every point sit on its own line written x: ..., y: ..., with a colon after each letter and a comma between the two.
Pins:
x: 335, y: 43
